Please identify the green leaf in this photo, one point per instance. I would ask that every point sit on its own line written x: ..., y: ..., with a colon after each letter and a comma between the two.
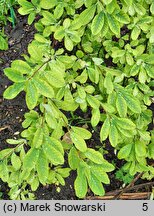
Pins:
x: 132, y: 103
x: 113, y: 135
x: 3, y: 43
x: 31, y: 17
x: 15, y: 142
x: 140, y: 148
x: 105, y: 27
x: 38, y: 138
x: 135, y: 33
x: 122, y: 17
x: 64, y: 172
x: 35, y: 52
x: 13, y: 90
x: 106, y: 2
x: 5, y: 153
x: 95, y: 117
x: 57, y: 144
x: 59, y: 33
x: 58, y: 11
x: 78, y: 141
x: 44, y: 88
x: 106, y: 166
x: 95, y: 185
x: 139, y: 9
x: 97, y: 23
x: 68, y: 43
x: 150, y: 70
x: 125, y: 151
x: 100, y: 174
x: 151, y: 150
x: 93, y: 74
x: 73, y: 158
x: 121, y: 106
x: 108, y: 108
x: 108, y: 84
x: 85, y: 134
x: 152, y: 8
x: 142, y: 75
x: 21, y: 66
x: 48, y: 4
x: 30, y: 159
x: 55, y: 78
x: 35, y: 184
x: 114, y: 25
x: 31, y: 95
x: 4, y: 172
x: 126, y: 133
x: 86, y: 16
x: 13, y: 75
x: 16, y: 162
x: 67, y: 105
x: 93, y: 102
x: 80, y: 184
x: 51, y: 148
x: 42, y: 168
x: 81, y: 92
x: 94, y: 156
x: 134, y: 70
x: 129, y: 59
x: 125, y: 123
x: 105, y: 130
x: 60, y: 179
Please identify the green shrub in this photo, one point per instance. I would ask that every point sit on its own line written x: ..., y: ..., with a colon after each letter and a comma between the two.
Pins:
x: 68, y: 70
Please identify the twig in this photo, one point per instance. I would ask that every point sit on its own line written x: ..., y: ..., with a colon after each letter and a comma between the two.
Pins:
x: 127, y: 187
x: 124, y: 196
x: 112, y: 194
x: 131, y: 188
x: 3, y: 128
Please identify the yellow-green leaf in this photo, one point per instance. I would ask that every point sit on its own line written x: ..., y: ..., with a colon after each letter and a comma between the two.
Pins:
x: 84, y: 133
x: 97, y: 23
x: 95, y: 185
x: 78, y: 141
x: 80, y: 185
x: 125, y: 123
x: 13, y: 75
x: 44, y: 88
x: 52, y: 151
x: 100, y: 174
x: 121, y: 106
x: 105, y: 130
x: 113, y: 135
x: 68, y: 43
x: 16, y: 162
x: 113, y: 24
x: 132, y: 103
x: 125, y: 151
x: 42, y: 168
x: 30, y: 159
x: 94, y: 156
x: 31, y: 95
x: 38, y: 138
x: 13, y: 90
x: 73, y: 158
x: 140, y: 148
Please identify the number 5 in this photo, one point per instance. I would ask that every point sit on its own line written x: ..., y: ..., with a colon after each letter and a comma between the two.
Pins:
x: 145, y: 207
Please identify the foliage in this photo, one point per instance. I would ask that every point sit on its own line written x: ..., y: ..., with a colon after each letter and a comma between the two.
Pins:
x: 6, y: 13
x: 67, y: 70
